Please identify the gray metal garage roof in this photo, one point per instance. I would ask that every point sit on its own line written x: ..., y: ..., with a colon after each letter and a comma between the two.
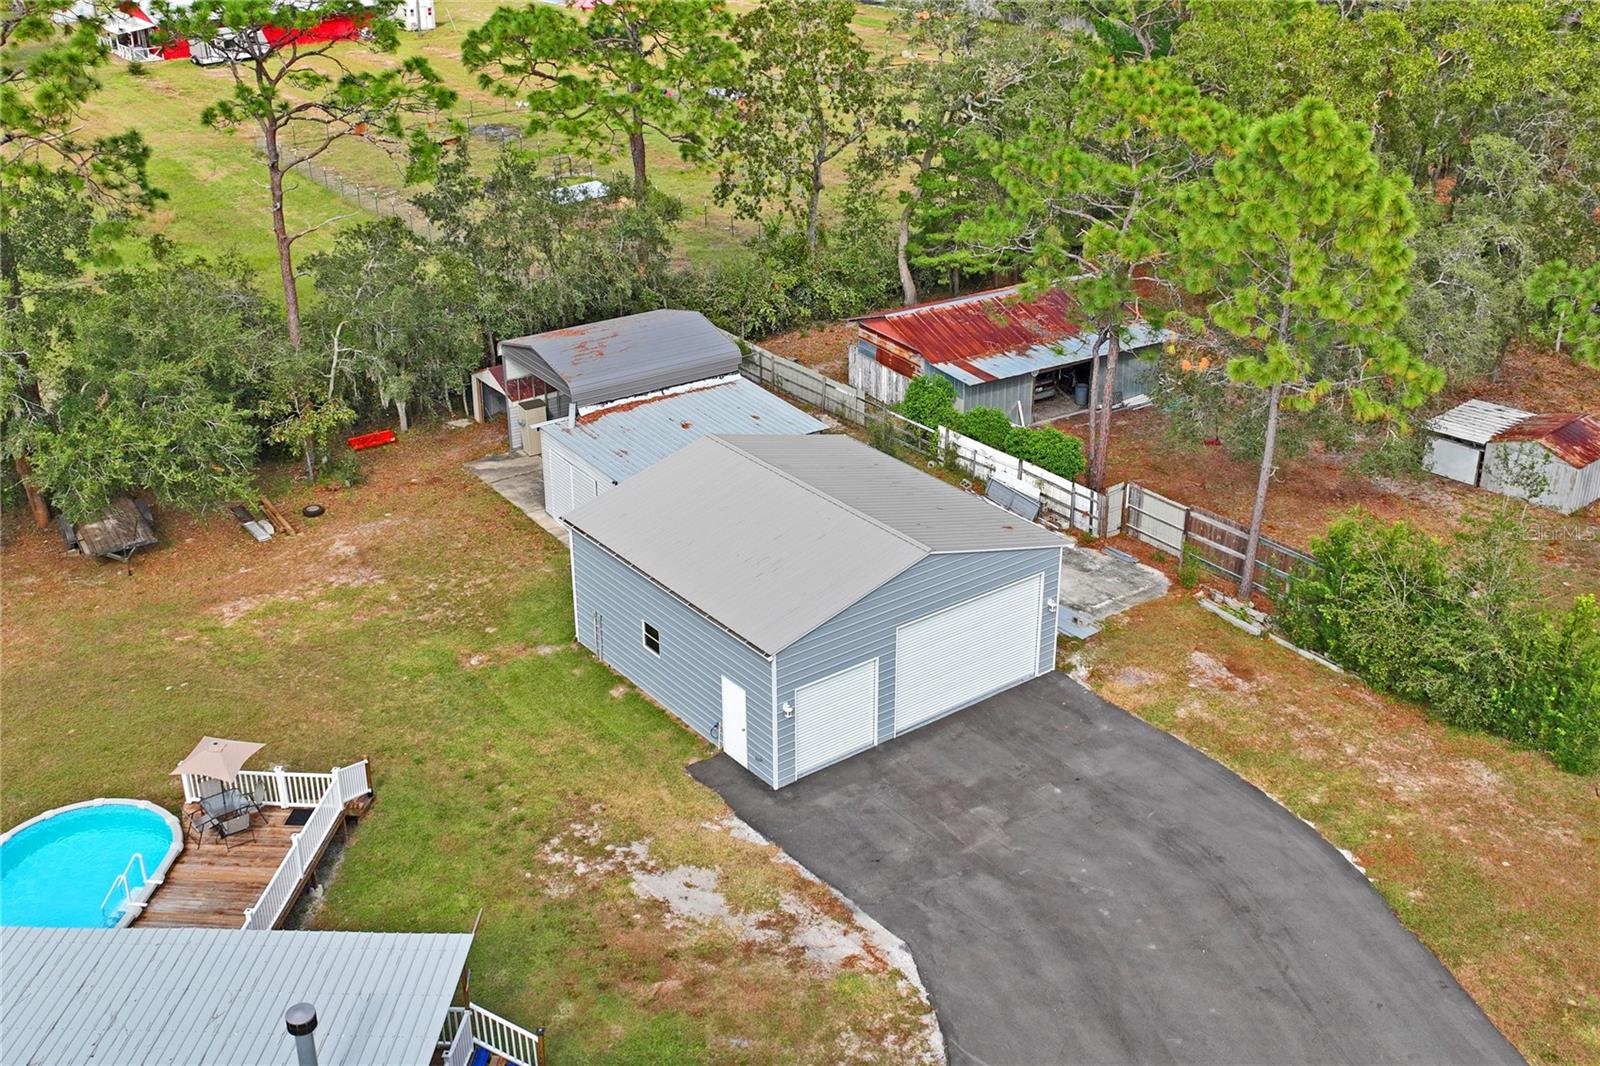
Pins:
x: 772, y: 536
x: 622, y: 440
x: 936, y: 515
x: 627, y: 356
x: 142, y: 996
x: 1476, y: 421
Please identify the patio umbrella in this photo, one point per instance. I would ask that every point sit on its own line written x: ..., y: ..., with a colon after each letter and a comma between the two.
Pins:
x: 218, y: 758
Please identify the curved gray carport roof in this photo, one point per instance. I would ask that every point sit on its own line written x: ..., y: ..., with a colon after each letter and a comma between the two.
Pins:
x: 628, y: 356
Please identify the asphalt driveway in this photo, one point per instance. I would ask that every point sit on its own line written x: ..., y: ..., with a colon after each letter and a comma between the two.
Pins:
x: 1077, y: 886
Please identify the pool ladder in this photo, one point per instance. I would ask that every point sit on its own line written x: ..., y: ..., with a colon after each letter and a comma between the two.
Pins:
x: 122, y: 879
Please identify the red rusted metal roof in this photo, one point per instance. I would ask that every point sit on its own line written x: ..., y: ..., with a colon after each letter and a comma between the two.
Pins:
x: 1573, y: 438
x: 983, y: 323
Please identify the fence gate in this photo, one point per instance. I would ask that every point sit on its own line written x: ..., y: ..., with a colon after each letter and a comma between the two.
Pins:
x: 1116, y: 503
x: 1156, y: 520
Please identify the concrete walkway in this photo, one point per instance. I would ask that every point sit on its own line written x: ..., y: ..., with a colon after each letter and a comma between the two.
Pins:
x: 1096, y: 585
x: 520, y: 479
x: 1079, y: 887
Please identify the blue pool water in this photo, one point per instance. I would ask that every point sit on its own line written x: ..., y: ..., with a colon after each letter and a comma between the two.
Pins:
x: 56, y: 870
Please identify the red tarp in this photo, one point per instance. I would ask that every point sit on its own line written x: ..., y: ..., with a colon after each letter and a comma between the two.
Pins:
x: 178, y: 49
x: 371, y: 440
x: 342, y: 28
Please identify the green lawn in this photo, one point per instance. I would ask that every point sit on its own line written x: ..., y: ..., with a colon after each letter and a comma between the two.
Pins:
x: 216, y: 187
x: 425, y: 624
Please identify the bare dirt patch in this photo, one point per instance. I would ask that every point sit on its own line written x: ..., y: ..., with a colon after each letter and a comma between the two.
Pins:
x: 824, y: 348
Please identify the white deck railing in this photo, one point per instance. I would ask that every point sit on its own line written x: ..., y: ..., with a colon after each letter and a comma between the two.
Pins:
x: 270, y: 788
x: 344, y: 784
x: 484, y: 1028
x: 456, y: 1039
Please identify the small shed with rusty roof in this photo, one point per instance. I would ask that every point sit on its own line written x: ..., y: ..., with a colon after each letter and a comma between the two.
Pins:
x: 1552, y: 460
x: 1027, y: 358
x: 589, y: 455
x: 1457, y: 438
x: 581, y: 366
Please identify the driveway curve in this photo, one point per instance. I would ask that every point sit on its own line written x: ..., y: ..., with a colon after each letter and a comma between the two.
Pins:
x: 1078, y: 886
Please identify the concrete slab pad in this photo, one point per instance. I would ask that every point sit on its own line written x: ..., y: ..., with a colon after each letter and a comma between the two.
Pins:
x: 520, y: 479
x: 1096, y: 585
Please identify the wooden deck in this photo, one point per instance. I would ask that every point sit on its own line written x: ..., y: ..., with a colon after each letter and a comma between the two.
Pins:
x: 211, y: 884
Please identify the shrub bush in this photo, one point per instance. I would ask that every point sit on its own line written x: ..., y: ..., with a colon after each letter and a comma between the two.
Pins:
x: 1058, y: 452
x: 986, y: 425
x: 1461, y: 627
x: 930, y: 399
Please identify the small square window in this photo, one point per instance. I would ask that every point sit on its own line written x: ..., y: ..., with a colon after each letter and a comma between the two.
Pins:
x: 652, y: 639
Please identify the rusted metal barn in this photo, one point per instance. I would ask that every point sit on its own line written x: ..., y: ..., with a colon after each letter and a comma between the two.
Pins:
x: 1027, y: 358
x: 1552, y: 460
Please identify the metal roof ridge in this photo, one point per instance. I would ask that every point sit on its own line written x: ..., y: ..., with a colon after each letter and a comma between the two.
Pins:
x: 830, y: 498
x: 949, y: 301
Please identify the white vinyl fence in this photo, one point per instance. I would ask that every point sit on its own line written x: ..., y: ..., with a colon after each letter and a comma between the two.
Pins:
x: 473, y: 1025
x: 1212, y: 540
x: 344, y: 784
x: 1065, y: 501
x: 270, y: 788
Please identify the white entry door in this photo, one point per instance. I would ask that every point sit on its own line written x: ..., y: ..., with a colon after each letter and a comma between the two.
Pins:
x: 952, y: 657
x: 835, y: 717
x: 735, y: 730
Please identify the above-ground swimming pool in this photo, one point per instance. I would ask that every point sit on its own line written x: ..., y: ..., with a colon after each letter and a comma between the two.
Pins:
x: 58, y: 869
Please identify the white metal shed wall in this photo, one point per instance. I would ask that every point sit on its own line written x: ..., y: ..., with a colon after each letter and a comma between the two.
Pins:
x: 1453, y: 459
x: 1566, y: 490
x: 568, y: 480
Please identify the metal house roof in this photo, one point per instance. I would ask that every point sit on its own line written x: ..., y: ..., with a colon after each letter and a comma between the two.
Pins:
x: 627, y: 356
x: 143, y: 996
x: 771, y: 536
x: 621, y: 440
x: 1572, y: 438
x: 1476, y: 421
x: 987, y: 336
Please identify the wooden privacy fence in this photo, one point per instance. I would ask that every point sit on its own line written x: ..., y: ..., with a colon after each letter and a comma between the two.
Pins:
x: 1212, y: 540
x: 804, y: 384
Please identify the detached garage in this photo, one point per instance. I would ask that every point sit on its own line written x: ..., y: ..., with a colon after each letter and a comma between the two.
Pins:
x: 797, y: 599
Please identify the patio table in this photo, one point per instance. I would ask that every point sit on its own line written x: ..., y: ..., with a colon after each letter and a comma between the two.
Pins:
x: 230, y: 810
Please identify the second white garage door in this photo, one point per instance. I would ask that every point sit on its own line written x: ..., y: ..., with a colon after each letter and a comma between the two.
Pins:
x: 835, y: 717
x: 954, y: 656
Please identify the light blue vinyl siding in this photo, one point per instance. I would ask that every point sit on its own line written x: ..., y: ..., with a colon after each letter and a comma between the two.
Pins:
x: 866, y: 629
x: 686, y: 678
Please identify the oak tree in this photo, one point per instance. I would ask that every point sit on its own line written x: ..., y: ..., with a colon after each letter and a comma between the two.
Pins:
x: 617, y: 71
x: 808, y: 92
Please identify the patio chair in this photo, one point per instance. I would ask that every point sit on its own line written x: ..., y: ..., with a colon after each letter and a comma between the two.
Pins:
x: 197, y: 822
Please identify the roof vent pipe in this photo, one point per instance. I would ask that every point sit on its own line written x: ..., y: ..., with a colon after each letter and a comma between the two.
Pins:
x: 301, y: 1020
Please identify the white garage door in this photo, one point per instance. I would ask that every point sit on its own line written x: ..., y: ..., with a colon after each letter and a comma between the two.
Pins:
x: 954, y: 656
x: 835, y: 716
